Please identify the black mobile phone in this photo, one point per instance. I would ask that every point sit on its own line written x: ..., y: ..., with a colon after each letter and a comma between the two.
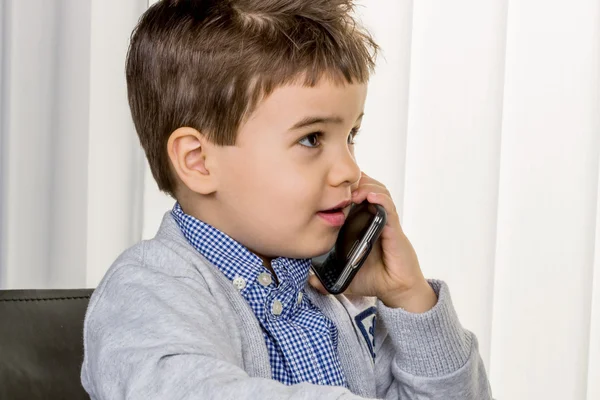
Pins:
x: 336, y: 268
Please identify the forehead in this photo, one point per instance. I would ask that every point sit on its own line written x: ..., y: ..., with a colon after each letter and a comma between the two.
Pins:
x: 292, y: 103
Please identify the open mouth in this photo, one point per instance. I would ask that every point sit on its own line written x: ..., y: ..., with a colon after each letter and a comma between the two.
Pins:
x: 333, y: 211
x: 340, y: 207
x: 333, y: 216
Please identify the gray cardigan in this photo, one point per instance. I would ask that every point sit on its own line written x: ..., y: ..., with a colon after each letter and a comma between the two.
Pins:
x: 164, y: 323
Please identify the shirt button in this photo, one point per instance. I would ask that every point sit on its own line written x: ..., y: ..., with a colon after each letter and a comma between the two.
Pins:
x: 239, y: 282
x: 265, y: 279
x: 300, y: 298
x: 277, y: 308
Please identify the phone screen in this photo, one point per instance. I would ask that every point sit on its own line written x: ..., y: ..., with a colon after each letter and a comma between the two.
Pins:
x: 361, y: 229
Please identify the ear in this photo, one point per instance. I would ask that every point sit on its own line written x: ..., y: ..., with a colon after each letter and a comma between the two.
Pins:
x: 190, y: 154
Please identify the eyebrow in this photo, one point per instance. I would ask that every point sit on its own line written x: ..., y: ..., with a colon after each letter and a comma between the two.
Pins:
x: 308, y: 121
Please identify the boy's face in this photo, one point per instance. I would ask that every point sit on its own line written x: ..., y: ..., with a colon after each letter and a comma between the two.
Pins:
x: 273, y: 183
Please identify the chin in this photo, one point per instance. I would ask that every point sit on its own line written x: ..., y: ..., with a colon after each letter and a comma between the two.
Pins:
x: 321, y: 248
x: 309, y: 250
x: 308, y: 244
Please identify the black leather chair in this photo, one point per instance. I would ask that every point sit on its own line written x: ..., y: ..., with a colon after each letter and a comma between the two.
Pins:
x: 41, y: 343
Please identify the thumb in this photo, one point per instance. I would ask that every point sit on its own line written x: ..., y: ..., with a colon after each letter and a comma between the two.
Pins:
x: 316, y: 283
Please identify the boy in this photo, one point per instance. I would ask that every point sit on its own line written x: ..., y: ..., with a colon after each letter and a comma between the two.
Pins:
x: 247, y: 111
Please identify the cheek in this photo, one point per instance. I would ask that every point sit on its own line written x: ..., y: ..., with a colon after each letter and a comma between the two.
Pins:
x: 237, y: 178
x: 282, y: 186
x: 293, y: 182
x: 273, y: 183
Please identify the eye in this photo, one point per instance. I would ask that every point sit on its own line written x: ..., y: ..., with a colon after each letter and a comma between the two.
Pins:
x: 312, y: 140
x: 352, y: 135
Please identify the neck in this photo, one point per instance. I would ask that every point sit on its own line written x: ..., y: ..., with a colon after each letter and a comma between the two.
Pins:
x: 205, y: 210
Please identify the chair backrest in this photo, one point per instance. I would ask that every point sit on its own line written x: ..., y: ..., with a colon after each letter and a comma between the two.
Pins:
x: 41, y: 343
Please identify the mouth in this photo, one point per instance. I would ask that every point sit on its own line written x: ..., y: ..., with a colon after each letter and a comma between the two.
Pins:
x: 335, y: 216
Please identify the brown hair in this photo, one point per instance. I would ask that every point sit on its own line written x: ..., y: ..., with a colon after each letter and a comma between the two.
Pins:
x: 207, y: 63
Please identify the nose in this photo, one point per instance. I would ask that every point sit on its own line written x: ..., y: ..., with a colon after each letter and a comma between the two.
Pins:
x: 344, y: 170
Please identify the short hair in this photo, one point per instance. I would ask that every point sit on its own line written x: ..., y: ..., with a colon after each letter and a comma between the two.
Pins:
x: 206, y: 64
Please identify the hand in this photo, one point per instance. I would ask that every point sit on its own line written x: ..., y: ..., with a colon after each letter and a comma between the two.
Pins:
x: 391, y: 272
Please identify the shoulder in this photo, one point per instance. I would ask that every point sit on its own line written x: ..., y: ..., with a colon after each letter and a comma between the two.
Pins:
x: 153, y: 268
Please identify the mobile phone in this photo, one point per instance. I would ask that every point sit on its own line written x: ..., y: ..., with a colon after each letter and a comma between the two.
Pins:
x: 336, y: 268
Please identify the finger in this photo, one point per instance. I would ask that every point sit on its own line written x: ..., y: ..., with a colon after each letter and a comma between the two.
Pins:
x: 316, y: 283
x: 360, y: 194
x: 368, y: 179
x: 393, y: 229
x: 386, y: 202
x: 363, y: 180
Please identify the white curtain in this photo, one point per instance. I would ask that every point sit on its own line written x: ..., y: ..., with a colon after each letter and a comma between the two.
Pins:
x: 483, y: 119
x: 72, y: 170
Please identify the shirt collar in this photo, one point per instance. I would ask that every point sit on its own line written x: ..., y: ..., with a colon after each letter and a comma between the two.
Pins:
x: 230, y: 256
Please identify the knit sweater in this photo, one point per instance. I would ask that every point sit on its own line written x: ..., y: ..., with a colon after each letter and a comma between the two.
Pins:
x: 164, y: 323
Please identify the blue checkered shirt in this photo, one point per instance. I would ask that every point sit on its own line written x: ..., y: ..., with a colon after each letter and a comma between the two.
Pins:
x: 301, y: 341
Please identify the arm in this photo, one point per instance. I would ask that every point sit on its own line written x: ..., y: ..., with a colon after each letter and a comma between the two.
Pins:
x: 151, y: 336
x: 428, y: 355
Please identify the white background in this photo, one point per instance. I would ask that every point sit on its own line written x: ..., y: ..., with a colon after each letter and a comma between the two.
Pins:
x: 483, y: 120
